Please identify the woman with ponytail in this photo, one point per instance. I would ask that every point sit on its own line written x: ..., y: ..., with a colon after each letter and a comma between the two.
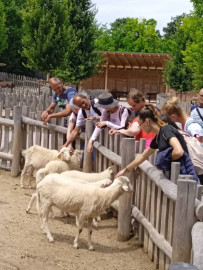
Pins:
x: 168, y: 140
x: 188, y: 124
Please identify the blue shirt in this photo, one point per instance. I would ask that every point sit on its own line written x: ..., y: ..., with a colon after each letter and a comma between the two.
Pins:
x: 64, y: 98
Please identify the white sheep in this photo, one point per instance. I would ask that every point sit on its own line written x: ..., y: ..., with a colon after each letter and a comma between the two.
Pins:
x: 101, y: 183
x: 91, y: 177
x: 36, y: 157
x: 85, y: 202
x: 59, y: 166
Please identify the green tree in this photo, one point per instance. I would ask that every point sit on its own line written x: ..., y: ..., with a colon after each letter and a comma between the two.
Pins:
x: 130, y: 35
x: 80, y: 59
x: 46, y: 35
x: 193, y: 54
x: 176, y: 74
x: 3, y: 30
x: 11, y: 55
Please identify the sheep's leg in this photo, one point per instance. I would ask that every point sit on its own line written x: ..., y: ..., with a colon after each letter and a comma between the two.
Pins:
x: 95, y: 223
x: 45, y: 217
x: 90, y: 233
x: 30, y: 176
x: 22, y: 177
x: 80, y: 224
x: 34, y: 196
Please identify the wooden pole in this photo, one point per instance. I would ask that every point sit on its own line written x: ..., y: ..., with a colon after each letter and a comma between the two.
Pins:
x: 125, y: 201
x: 87, y: 164
x: 17, y: 141
x: 197, y: 244
x: 106, y: 75
x: 184, y: 220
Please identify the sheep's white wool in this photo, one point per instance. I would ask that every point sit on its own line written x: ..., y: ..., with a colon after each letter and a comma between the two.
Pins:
x: 85, y: 201
x: 36, y: 157
x: 91, y: 177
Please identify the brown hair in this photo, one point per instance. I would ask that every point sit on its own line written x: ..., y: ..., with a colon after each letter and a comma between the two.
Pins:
x: 150, y: 111
x: 135, y: 95
x: 171, y: 107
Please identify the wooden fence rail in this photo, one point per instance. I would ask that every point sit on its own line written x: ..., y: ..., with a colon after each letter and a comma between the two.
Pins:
x: 166, y: 212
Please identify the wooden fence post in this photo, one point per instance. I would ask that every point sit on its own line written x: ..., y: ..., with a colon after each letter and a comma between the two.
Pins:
x: 87, y: 163
x: 125, y: 201
x: 17, y: 140
x: 184, y: 220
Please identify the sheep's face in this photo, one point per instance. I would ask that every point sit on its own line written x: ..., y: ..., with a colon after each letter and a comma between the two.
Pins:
x: 79, y: 154
x: 125, y: 182
x: 65, y: 154
x: 111, y: 172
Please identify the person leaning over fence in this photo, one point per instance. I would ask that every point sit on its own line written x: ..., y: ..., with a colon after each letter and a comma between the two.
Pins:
x: 193, y: 145
x: 171, y: 144
x: 72, y: 122
x: 87, y: 112
x: 137, y: 101
x: 61, y: 97
x: 197, y: 111
x: 112, y: 116
x: 188, y: 124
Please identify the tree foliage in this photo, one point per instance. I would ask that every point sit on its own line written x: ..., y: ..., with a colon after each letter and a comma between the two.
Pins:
x: 176, y: 74
x: 46, y: 34
x: 193, y: 54
x: 80, y: 60
x: 11, y: 55
x: 3, y: 30
x: 130, y: 35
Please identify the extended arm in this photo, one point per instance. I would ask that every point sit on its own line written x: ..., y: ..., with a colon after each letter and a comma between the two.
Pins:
x: 177, y: 151
x: 63, y: 113
x: 137, y: 161
x: 48, y: 111
x: 133, y: 130
x: 72, y: 136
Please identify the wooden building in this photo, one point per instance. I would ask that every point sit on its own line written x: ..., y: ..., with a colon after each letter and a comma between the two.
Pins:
x: 123, y: 71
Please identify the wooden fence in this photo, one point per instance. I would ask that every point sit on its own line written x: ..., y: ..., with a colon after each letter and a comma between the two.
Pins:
x: 165, y: 210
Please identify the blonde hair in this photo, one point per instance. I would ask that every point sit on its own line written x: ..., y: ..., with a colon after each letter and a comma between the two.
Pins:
x: 151, y: 112
x: 172, y: 107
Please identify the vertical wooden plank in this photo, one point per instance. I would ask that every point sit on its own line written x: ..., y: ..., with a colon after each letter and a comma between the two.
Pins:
x: 111, y: 146
x: 143, y: 179
x: 175, y: 171
x: 60, y: 136
x: 184, y: 215
x: 106, y: 144
x: 17, y: 140
x: 53, y: 135
x: 147, y: 214
x: 125, y: 201
x: 163, y: 231
x: 25, y: 112
x: 152, y: 219
x: 157, y: 226
x: 101, y: 140
x: 38, y: 130
x: 6, y: 136
x: 30, y: 131
x: 87, y: 164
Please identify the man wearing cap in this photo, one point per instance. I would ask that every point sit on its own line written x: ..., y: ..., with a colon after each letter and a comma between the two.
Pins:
x: 112, y: 116
x: 87, y: 112
x: 62, y: 97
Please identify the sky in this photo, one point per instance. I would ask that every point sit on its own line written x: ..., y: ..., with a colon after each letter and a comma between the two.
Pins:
x: 160, y: 10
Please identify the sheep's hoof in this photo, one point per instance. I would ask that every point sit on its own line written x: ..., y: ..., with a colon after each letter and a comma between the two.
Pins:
x: 91, y: 248
x: 28, y: 210
x: 51, y: 239
x: 76, y: 246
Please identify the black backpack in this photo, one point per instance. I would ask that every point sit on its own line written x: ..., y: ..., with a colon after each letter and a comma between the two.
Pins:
x: 97, y: 111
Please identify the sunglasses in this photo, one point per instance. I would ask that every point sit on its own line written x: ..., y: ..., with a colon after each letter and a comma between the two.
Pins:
x: 139, y: 125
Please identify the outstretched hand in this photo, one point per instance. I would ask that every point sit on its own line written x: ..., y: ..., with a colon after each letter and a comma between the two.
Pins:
x: 120, y: 173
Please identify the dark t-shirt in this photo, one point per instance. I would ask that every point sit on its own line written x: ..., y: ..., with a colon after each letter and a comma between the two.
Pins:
x: 161, y: 140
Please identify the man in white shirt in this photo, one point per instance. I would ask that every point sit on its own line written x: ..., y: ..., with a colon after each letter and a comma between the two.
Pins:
x: 87, y: 112
x: 197, y: 112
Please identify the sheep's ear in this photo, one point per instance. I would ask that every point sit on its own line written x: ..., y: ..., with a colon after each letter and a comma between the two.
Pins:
x: 59, y: 156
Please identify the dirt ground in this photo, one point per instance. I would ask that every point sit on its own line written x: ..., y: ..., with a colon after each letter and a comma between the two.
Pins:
x: 23, y: 246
